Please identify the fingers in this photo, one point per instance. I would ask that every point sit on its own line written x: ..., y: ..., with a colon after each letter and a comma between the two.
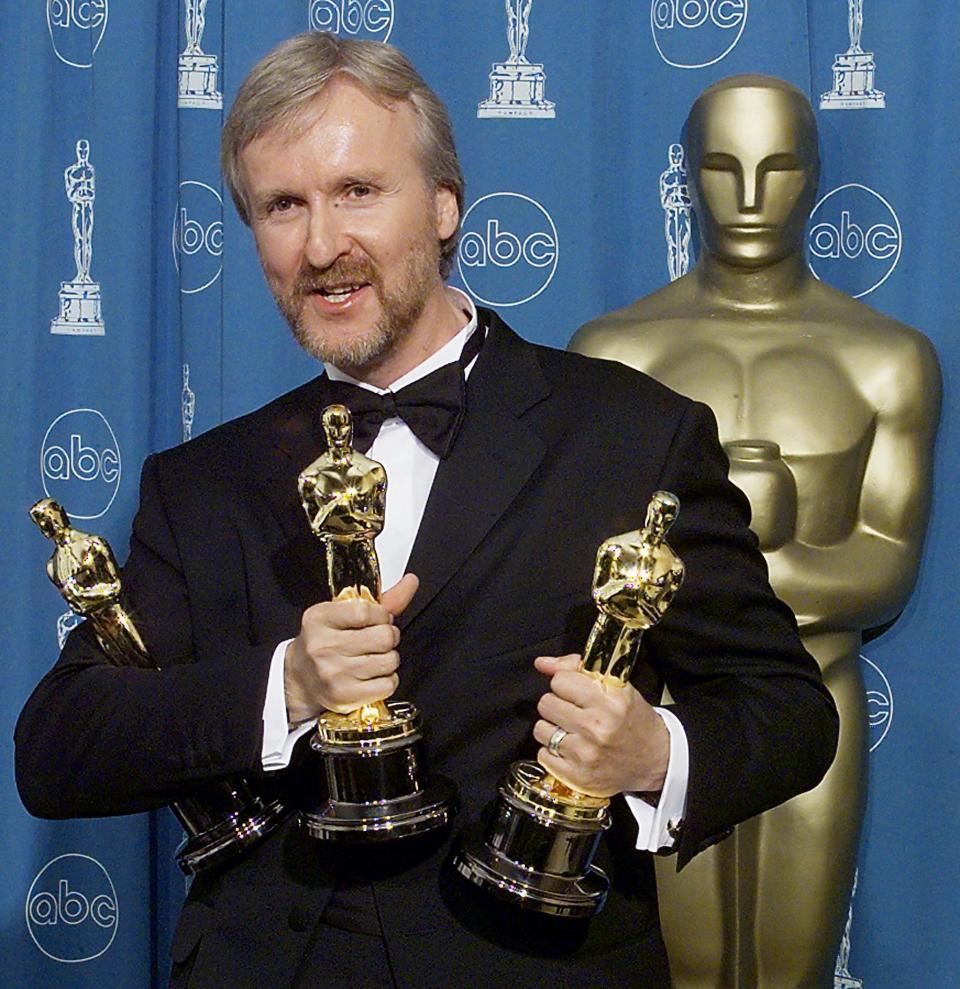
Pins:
x: 396, y: 599
x: 559, y: 712
x: 346, y: 653
x: 347, y: 695
x: 544, y: 730
x: 555, y: 664
x: 349, y: 613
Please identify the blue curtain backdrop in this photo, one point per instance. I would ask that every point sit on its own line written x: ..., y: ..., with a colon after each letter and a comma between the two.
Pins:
x: 134, y: 314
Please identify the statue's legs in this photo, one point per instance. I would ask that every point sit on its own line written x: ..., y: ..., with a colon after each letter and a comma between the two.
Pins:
x: 671, y: 231
x: 83, y: 239
x: 766, y: 909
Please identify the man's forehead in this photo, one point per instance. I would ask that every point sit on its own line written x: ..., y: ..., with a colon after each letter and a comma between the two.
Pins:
x: 753, y: 121
x: 341, y: 95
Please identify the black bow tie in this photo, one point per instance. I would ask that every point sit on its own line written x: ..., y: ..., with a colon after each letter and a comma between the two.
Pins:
x: 433, y: 406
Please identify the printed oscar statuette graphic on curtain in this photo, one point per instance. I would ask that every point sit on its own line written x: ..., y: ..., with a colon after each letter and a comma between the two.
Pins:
x: 676, y: 203
x: 188, y: 404
x: 196, y: 70
x: 80, y: 313
x: 517, y: 85
x: 853, y: 72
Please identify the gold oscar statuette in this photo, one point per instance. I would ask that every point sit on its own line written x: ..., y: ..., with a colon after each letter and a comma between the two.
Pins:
x: 827, y: 410
x: 538, y: 850
x: 224, y: 817
x: 373, y: 757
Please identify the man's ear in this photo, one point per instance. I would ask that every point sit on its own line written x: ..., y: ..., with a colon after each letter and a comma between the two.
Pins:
x: 446, y: 211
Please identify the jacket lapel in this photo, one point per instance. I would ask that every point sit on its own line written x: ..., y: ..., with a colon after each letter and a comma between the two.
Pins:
x: 493, y: 458
x: 275, y: 455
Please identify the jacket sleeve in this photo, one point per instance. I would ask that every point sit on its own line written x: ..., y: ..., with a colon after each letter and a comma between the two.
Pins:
x: 760, y: 724
x: 95, y: 739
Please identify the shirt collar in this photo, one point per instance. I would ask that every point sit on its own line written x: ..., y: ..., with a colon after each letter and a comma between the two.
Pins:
x: 447, y: 354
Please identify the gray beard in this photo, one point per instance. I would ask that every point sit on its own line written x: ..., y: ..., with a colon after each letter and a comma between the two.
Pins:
x: 399, y: 309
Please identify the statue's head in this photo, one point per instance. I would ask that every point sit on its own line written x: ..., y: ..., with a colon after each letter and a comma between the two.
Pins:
x: 338, y: 427
x: 753, y: 168
x: 83, y: 150
x: 49, y: 517
x: 676, y: 155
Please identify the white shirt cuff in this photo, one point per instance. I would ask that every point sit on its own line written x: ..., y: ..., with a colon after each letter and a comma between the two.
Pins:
x: 278, y: 737
x: 655, y: 823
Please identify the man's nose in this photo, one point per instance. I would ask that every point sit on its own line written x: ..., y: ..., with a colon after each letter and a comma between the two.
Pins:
x: 327, y: 236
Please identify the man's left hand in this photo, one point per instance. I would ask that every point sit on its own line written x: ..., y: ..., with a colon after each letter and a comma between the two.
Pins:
x: 615, y: 741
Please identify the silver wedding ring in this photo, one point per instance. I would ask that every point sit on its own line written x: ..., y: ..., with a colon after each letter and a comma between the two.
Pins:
x: 553, y: 746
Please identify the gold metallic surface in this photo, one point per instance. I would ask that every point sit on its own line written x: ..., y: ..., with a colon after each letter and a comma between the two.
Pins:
x: 344, y: 495
x: 539, y: 846
x: 635, y: 579
x: 828, y: 411
x: 373, y: 759
x: 84, y: 570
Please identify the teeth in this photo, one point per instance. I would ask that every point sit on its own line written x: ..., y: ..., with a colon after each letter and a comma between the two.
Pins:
x: 338, y: 295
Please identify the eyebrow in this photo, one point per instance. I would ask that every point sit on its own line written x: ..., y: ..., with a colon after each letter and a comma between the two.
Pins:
x: 778, y: 160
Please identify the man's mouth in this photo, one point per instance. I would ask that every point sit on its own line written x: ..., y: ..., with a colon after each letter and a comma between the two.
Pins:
x: 340, y: 293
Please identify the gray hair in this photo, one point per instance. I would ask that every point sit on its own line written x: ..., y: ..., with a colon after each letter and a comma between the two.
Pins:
x: 281, y: 87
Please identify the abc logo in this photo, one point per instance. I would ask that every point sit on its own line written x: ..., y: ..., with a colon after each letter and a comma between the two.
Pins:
x: 692, y: 34
x: 370, y: 19
x: 879, y: 702
x: 72, y: 909
x: 508, y: 249
x: 80, y: 463
x: 76, y: 29
x: 198, y: 236
x: 854, y: 239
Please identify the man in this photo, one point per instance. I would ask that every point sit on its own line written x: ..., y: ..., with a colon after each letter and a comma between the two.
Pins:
x: 342, y: 161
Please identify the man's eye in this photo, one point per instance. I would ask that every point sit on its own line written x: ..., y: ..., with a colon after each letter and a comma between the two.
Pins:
x: 280, y: 205
x: 359, y: 191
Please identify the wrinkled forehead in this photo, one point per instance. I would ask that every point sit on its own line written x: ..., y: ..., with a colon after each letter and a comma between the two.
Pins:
x: 752, y: 123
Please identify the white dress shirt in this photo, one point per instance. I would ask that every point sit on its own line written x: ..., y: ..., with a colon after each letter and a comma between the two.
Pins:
x: 411, y: 468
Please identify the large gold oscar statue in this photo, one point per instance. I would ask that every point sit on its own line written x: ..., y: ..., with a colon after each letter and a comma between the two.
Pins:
x: 828, y: 412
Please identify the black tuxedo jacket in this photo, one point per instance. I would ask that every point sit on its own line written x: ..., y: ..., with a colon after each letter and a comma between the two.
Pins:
x: 557, y: 453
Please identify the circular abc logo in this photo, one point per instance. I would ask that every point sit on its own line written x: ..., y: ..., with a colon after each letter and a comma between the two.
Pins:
x: 854, y: 240
x: 72, y: 909
x: 76, y: 29
x: 198, y: 236
x: 80, y: 463
x: 508, y: 249
x: 879, y: 702
x: 369, y: 19
x: 692, y: 34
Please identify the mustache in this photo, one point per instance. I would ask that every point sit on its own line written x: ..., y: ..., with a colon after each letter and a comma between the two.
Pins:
x: 343, y: 271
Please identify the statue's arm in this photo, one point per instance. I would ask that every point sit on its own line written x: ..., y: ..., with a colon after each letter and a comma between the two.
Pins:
x: 865, y: 580
x: 97, y: 579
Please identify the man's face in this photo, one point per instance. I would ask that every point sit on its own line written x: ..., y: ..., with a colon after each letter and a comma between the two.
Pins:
x: 755, y: 177
x: 347, y: 228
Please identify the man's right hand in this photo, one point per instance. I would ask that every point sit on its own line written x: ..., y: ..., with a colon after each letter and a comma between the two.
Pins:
x: 346, y: 654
